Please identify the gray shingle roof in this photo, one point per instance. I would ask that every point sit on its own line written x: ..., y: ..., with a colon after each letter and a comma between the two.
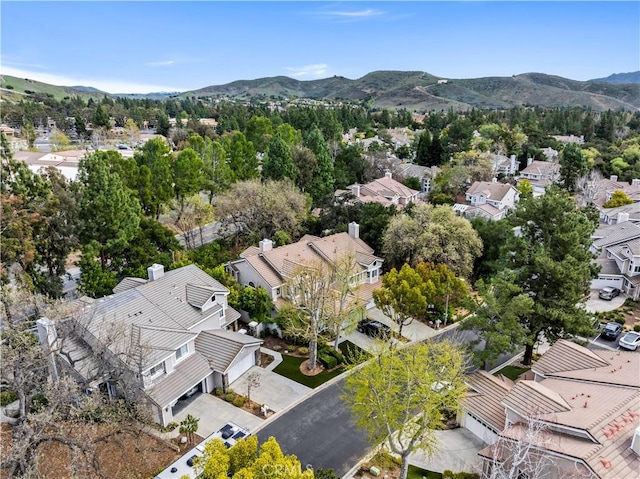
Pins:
x: 222, y: 347
x: 614, y: 234
x: 186, y: 374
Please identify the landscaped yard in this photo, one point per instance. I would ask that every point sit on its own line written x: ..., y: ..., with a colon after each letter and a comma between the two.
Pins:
x: 512, y: 372
x: 290, y: 368
x: 417, y: 473
x: 353, y: 354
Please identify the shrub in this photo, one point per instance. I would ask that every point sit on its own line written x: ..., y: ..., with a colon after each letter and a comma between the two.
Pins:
x: 9, y: 87
x: 636, y: 328
x: 7, y: 397
x: 239, y: 401
x: 172, y: 425
x: 328, y: 361
x: 303, y: 350
x: 277, y: 347
x: 619, y: 321
x: 338, y: 355
x: 229, y: 397
x: 218, y: 391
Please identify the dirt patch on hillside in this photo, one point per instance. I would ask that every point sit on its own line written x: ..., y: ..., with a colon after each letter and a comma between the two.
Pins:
x: 114, y: 451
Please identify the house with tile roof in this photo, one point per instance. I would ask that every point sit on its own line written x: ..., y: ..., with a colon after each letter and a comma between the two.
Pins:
x: 385, y: 191
x: 271, y: 267
x: 586, y: 402
x: 488, y: 199
x: 540, y: 175
x: 166, y: 336
x: 617, y: 250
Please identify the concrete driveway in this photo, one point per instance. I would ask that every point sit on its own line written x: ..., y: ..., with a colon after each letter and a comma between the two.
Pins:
x: 457, y: 452
x: 274, y: 390
x: 215, y: 413
x: 596, y: 305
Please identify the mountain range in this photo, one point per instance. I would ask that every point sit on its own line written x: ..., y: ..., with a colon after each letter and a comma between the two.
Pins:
x: 412, y: 90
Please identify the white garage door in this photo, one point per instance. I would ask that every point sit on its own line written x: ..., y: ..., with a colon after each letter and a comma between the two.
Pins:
x: 480, y: 430
x: 602, y: 282
x: 245, y: 363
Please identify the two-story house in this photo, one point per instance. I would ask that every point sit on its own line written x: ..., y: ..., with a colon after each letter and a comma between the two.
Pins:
x: 618, y: 254
x: 270, y: 267
x: 505, y: 165
x: 540, y: 175
x: 575, y: 414
x: 490, y: 200
x: 385, y: 191
x: 425, y: 174
x: 155, y: 340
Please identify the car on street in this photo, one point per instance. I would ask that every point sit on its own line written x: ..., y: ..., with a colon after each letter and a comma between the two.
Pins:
x: 608, y: 293
x: 374, y: 329
x: 631, y: 341
x: 611, y: 331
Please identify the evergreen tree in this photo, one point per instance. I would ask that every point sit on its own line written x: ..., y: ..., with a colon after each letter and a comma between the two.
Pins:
x: 278, y: 163
x: 422, y: 148
x: 573, y: 165
x: 324, y: 180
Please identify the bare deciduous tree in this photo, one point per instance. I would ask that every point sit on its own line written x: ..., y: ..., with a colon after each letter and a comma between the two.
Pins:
x: 589, y: 187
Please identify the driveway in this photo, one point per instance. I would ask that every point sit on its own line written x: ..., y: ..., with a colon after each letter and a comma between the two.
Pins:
x: 457, y: 451
x: 596, y: 305
x: 215, y: 413
x: 274, y: 390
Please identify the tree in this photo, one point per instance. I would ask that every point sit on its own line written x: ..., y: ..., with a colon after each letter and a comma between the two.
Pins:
x: 322, y: 186
x: 498, y: 320
x: 28, y: 133
x: 551, y: 263
x: 216, y: 172
x: 187, y: 175
x: 109, y: 215
x: 494, y: 236
x: 189, y: 426
x: 618, y: 198
x: 154, y: 160
x: 573, y: 165
x: 101, y: 118
x: 306, y: 164
x: 59, y: 141
x: 259, y: 131
x: 278, y: 164
x: 588, y: 188
x: 244, y: 460
x: 403, y: 394
x: 525, y: 189
x: 309, y: 290
x: 242, y: 157
x: 401, y: 297
x: 432, y: 234
x: 195, y: 213
x: 131, y: 131
x: 422, y: 148
x: 256, y: 210
x: 253, y: 381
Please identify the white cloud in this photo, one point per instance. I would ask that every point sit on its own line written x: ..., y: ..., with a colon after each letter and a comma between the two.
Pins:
x: 316, y: 70
x: 165, y: 63
x: 356, y: 14
x: 107, y: 85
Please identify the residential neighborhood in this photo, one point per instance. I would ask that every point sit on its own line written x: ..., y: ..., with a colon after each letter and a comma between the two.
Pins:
x: 316, y: 266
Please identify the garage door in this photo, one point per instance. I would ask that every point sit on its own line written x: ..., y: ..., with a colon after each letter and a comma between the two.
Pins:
x: 245, y: 363
x: 476, y: 427
x: 603, y: 282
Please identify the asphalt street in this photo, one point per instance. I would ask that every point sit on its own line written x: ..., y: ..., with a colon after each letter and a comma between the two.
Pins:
x: 321, y: 432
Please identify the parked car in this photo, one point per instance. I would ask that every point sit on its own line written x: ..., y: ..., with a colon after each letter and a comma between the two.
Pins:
x: 608, y: 293
x: 375, y: 329
x: 611, y: 331
x: 630, y: 341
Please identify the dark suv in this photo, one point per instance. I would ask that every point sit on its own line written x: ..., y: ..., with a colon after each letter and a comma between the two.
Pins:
x: 375, y: 329
x: 611, y: 331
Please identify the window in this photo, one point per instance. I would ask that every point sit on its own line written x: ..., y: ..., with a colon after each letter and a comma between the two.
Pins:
x: 157, y: 369
x: 182, y: 351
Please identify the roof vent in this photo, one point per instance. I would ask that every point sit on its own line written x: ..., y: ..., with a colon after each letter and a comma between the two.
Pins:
x: 635, y: 442
x: 605, y: 463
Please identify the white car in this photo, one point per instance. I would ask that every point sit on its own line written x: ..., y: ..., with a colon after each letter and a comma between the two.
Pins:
x: 630, y: 341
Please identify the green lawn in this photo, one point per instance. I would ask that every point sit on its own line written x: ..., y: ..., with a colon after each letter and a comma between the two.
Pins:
x: 512, y: 372
x: 417, y: 473
x: 290, y: 368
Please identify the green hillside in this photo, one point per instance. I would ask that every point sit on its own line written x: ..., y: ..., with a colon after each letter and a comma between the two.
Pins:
x: 14, y: 88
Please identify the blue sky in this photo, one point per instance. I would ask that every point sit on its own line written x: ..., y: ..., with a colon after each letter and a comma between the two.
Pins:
x: 139, y: 47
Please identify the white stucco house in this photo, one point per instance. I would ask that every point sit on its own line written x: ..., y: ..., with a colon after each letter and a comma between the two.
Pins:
x: 270, y: 267
x: 154, y: 340
x: 488, y: 199
x: 617, y: 248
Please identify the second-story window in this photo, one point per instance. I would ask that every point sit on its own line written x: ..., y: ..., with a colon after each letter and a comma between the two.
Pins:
x: 182, y: 351
x: 157, y: 369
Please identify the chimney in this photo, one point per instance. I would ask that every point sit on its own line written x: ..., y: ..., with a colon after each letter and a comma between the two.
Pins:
x: 635, y: 442
x: 266, y: 245
x: 613, y: 178
x: 529, y: 161
x: 355, y: 190
x: 623, y: 217
x: 387, y: 174
x: 494, y: 180
x: 354, y: 230
x: 155, y: 272
x: 635, y: 182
